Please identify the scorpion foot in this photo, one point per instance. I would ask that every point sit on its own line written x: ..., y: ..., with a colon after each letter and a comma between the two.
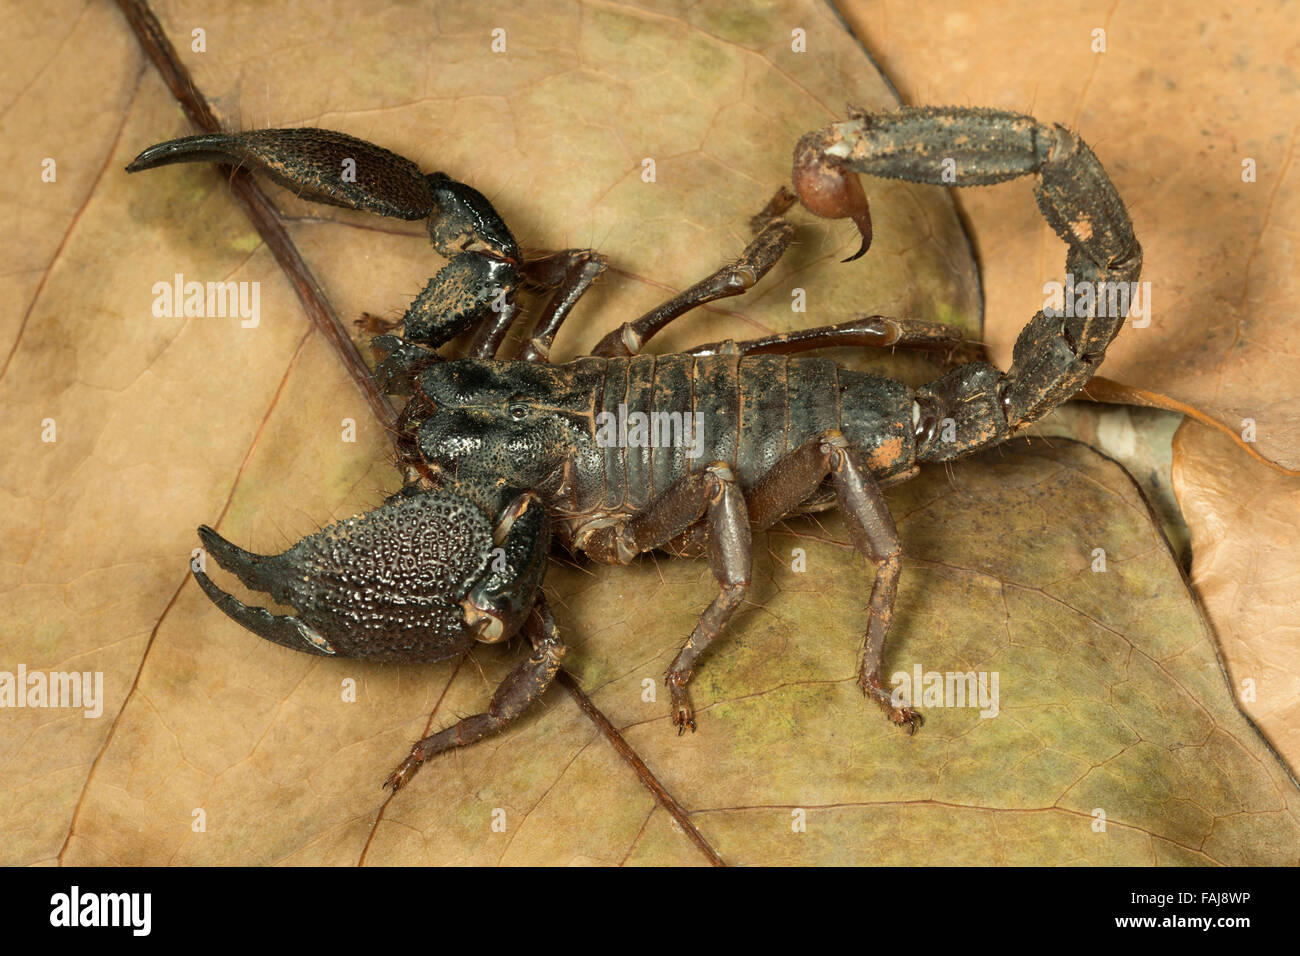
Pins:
x: 403, y: 774
x: 683, y: 718
x: 683, y: 715
x: 375, y: 324
x: 898, y: 712
x: 906, y: 715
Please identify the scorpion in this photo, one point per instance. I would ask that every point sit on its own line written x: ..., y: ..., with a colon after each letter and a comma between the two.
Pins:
x: 499, y: 455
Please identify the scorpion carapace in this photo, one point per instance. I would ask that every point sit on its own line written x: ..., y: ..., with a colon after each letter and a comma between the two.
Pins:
x: 621, y: 452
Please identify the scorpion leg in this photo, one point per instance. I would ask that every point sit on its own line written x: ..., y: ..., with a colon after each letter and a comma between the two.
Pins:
x: 714, y: 495
x: 567, y: 275
x: 731, y: 558
x: 760, y: 255
x: 491, y: 332
x: 876, y: 331
x: 871, y: 527
x: 1055, y: 355
x: 519, y: 691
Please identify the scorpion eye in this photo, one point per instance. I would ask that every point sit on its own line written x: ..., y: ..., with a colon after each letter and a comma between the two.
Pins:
x: 518, y: 411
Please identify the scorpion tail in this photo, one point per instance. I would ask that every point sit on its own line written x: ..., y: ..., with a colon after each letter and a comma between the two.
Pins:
x: 1058, y: 351
x: 831, y: 191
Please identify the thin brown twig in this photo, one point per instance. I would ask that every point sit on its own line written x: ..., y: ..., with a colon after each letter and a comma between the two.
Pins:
x: 666, y: 799
x: 260, y: 211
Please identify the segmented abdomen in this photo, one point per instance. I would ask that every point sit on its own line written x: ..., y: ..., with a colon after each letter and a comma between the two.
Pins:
x: 665, y: 416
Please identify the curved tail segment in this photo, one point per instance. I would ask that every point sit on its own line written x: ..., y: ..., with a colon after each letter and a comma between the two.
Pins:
x: 976, y: 405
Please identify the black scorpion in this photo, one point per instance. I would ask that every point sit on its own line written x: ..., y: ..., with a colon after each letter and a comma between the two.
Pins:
x: 497, y: 455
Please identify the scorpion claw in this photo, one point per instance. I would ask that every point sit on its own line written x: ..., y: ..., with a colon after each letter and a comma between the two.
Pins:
x: 310, y: 162
x: 284, y: 629
x: 368, y: 568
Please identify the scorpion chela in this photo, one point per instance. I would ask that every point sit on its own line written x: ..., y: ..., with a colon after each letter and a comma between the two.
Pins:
x: 498, y: 455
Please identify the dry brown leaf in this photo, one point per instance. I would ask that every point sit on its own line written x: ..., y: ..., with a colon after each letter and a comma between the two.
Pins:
x: 1246, y: 568
x: 1180, y: 99
x: 1111, y: 696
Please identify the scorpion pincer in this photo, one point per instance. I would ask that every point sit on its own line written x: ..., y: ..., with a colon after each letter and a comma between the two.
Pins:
x: 497, y: 455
